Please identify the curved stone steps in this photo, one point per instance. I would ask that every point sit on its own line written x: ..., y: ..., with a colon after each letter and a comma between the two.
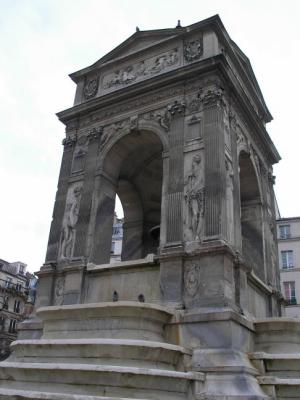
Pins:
x: 97, y: 380
x: 125, y: 352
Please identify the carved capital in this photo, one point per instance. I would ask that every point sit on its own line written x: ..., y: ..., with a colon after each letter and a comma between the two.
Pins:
x: 69, y: 141
x: 213, y: 97
x: 176, y: 108
x: 95, y: 133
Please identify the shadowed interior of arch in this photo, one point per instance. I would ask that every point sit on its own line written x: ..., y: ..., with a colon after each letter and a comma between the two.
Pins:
x: 134, y: 163
x: 251, y: 216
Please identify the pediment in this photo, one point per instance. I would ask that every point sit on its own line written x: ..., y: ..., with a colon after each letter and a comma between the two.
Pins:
x: 137, y: 42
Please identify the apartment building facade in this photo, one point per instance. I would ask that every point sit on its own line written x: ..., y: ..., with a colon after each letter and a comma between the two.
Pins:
x: 14, y: 283
x: 288, y: 234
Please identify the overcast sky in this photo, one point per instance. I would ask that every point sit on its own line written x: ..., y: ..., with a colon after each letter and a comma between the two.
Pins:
x: 42, y: 41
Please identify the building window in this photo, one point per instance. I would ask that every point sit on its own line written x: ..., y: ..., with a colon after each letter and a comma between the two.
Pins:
x: 285, y: 231
x: 2, y: 323
x: 12, y: 326
x: 5, y: 303
x: 21, y: 269
x: 8, y: 282
x: 287, y: 258
x: 18, y: 287
x: 17, y: 306
x: 290, y: 292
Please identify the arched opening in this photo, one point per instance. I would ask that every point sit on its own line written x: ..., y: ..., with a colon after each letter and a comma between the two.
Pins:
x: 134, y: 163
x: 251, y: 216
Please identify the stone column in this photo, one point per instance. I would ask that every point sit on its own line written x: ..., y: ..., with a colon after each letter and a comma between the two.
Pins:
x: 102, y: 218
x: 80, y: 248
x: 215, y: 173
x: 175, y: 186
x: 60, y: 200
x: 171, y: 251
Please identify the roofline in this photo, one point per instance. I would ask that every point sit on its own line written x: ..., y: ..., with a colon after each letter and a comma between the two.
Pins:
x: 287, y: 219
x: 171, y: 31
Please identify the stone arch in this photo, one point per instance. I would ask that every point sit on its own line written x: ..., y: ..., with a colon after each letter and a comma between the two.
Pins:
x: 251, y: 214
x: 132, y: 167
x: 144, y: 126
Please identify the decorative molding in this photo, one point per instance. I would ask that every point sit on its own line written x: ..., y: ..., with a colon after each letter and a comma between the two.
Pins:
x: 192, y: 279
x: 136, y: 104
x: 90, y: 89
x: 193, y: 50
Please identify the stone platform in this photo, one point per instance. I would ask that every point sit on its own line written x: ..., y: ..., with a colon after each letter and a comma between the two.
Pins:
x: 132, y: 350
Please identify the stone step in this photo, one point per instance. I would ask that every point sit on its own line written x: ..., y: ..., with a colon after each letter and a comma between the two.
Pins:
x: 280, y: 365
x: 29, y: 394
x: 125, y: 352
x: 117, y: 320
x: 97, y: 380
x: 281, y: 388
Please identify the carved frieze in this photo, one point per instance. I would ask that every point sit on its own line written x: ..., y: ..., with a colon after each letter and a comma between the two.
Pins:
x: 141, y: 70
x: 193, y: 49
x: 90, y: 89
x: 192, y: 279
x: 127, y: 106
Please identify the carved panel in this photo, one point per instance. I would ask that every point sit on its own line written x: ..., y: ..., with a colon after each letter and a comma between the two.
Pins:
x: 90, y: 89
x: 192, y: 279
x: 141, y: 70
x: 80, y: 154
x: 59, y: 290
x: 193, y: 49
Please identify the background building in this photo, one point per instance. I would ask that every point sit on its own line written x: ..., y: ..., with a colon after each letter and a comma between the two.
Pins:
x: 14, y: 284
x: 288, y: 233
x: 117, y: 237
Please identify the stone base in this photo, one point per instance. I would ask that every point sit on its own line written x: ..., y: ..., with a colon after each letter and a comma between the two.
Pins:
x: 132, y: 350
